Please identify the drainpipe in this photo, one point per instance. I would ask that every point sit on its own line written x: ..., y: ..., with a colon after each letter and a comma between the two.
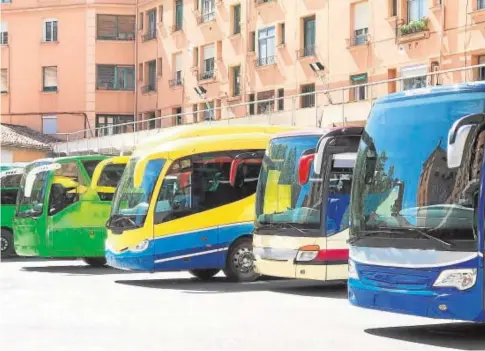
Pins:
x: 135, y: 102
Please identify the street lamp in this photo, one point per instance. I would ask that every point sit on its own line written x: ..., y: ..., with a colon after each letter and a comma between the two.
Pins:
x: 318, y: 67
x: 201, y: 91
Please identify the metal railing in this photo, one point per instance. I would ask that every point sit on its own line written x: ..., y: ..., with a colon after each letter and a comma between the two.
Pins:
x: 261, y: 2
x: 148, y: 88
x: 360, y: 39
x: 330, y: 106
x: 206, y: 75
x: 206, y: 17
x: 177, y: 27
x: 265, y: 61
x: 306, y: 51
x: 177, y: 81
x: 150, y: 35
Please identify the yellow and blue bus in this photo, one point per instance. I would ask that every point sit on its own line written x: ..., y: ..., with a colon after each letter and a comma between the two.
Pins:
x: 188, y: 204
x: 302, y: 204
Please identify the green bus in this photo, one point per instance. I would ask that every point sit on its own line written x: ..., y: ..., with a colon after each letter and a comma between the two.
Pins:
x: 10, y: 175
x: 63, y: 205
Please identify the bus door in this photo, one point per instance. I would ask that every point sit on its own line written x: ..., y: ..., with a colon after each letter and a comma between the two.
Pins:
x: 66, y: 221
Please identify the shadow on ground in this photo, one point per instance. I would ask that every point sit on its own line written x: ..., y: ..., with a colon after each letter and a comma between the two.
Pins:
x: 33, y: 259
x: 460, y: 336
x: 79, y: 269
x: 220, y: 285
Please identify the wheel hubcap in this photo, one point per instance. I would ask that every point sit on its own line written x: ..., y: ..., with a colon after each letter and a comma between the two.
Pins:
x: 4, y: 244
x: 243, y: 260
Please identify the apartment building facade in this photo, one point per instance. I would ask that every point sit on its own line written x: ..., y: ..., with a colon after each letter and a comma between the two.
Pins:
x: 96, y: 63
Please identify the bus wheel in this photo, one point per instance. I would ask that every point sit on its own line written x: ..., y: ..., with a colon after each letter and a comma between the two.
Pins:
x: 240, y: 262
x: 6, y: 242
x: 95, y: 261
x: 204, y: 274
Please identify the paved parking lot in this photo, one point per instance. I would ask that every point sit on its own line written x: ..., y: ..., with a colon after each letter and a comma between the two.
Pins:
x: 65, y: 305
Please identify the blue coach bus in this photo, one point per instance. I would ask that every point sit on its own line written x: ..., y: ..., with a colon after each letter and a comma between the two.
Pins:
x: 418, y: 202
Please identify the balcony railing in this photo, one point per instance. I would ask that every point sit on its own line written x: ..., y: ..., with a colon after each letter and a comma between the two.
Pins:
x: 413, y: 27
x: 360, y: 39
x: 261, y: 2
x: 207, y: 75
x: 151, y: 34
x: 206, y: 17
x: 177, y: 81
x: 265, y: 61
x: 177, y: 27
x: 148, y: 88
x: 306, y: 51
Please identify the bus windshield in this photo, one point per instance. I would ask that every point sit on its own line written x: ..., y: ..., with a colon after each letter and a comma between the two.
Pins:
x: 32, y: 206
x: 132, y: 202
x: 279, y: 197
x: 403, y: 188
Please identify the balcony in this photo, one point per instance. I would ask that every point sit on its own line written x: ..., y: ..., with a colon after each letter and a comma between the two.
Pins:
x: 358, y: 40
x: 262, y: 2
x: 307, y: 51
x: 413, y: 30
x: 265, y: 61
x: 176, y: 82
x: 206, y: 75
x: 206, y: 17
x: 150, y: 87
x: 150, y: 35
x: 176, y: 27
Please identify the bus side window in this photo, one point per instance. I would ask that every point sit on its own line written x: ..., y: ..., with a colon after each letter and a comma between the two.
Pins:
x: 64, y: 187
x: 338, y: 200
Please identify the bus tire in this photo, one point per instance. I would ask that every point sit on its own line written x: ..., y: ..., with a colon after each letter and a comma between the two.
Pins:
x: 240, y: 262
x: 8, y: 249
x: 204, y: 274
x: 95, y: 261
x: 478, y: 157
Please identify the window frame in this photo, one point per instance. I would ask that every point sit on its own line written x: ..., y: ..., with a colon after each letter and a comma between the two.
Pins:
x: 49, y: 117
x: 51, y: 88
x: 129, y: 35
x: 54, y: 34
x: 307, y: 101
x: 118, y: 71
x: 4, y: 71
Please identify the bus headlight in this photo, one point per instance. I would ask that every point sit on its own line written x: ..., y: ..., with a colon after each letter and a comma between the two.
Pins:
x: 461, y: 279
x: 352, y: 270
x: 141, y: 246
x: 307, y: 253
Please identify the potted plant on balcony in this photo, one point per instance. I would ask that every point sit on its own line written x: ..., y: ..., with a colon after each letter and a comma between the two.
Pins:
x: 414, y: 26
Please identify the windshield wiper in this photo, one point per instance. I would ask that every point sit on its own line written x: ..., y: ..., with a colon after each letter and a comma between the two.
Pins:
x: 118, y: 218
x: 282, y: 225
x: 367, y: 233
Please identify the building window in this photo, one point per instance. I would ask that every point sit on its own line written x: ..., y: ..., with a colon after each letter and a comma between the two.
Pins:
x: 251, y: 104
x: 208, y: 11
x: 4, y: 87
x: 418, y: 72
x: 112, y: 77
x: 392, y: 8
x: 177, y: 112
x: 50, y: 30
x: 358, y: 93
x: 49, y: 78
x: 151, y: 32
x: 266, y: 46
x: 140, y: 20
x: 307, y: 100
x: 151, y: 120
x: 6, y: 1
x: 151, y: 75
x: 49, y: 124
x: 417, y: 9
x: 236, y: 81
x: 281, y: 34
x: 111, y: 27
x: 177, y: 79
x: 236, y: 18
x: 281, y: 100
x: 179, y: 14
x: 267, y: 101
x: 480, y: 4
x: 361, y: 23
x: 209, y: 111
x: 308, y: 37
x: 160, y: 13
x: 481, y: 70
x: 3, y: 33
x: 195, y: 113
x: 160, y: 67
x: 252, y: 41
x: 109, y: 124
x: 208, y: 64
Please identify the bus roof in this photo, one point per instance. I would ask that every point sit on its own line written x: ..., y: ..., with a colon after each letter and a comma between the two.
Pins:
x: 435, y: 90
x: 199, y: 130
x: 300, y: 132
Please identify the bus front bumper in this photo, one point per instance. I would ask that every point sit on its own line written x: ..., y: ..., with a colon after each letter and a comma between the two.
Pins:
x: 431, y: 303
x: 130, y: 261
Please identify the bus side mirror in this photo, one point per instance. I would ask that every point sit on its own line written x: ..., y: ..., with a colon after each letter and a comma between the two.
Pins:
x: 458, y: 136
x: 304, y: 167
x: 235, y: 167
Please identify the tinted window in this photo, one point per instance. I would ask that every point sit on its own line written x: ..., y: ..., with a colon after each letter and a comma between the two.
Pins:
x: 90, y: 166
x: 64, y: 187
x: 201, y: 182
x: 10, y: 181
x: 8, y: 196
x: 111, y: 175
